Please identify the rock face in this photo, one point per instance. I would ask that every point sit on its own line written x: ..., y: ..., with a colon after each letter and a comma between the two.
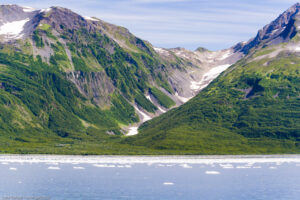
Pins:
x: 280, y: 30
x: 96, y: 86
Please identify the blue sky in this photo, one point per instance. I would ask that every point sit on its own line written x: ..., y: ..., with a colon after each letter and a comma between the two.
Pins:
x: 214, y: 24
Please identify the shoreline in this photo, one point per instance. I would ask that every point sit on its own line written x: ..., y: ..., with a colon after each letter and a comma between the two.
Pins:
x: 216, y: 159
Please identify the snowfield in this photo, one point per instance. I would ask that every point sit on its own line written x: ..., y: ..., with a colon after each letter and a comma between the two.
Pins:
x: 208, y: 77
x: 13, y: 30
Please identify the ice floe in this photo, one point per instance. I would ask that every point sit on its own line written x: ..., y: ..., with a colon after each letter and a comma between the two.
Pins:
x: 104, y: 166
x: 186, y: 166
x: 168, y: 183
x: 212, y: 172
x: 13, y: 169
x: 54, y: 168
x: 243, y: 167
x: 78, y: 168
x: 226, y: 166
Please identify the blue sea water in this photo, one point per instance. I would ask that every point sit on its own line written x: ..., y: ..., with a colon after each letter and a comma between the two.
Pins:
x: 221, y: 178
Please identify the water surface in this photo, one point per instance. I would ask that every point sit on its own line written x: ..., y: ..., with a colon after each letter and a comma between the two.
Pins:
x: 185, y: 177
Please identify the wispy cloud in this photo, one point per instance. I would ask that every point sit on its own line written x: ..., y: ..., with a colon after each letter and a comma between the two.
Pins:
x: 215, y: 24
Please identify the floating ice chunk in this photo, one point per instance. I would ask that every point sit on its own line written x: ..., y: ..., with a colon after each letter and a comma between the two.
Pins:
x: 19, y: 182
x: 53, y: 168
x: 226, y: 166
x: 13, y: 169
x: 243, y: 167
x: 256, y: 167
x: 104, y: 166
x: 168, y: 183
x: 212, y: 172
x: 272, y: 167
x: 78, y: 168
x: 186, y: 166
x: 4, y: 163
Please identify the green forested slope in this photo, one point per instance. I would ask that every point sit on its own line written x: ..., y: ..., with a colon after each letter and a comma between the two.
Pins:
x: 253, y: 107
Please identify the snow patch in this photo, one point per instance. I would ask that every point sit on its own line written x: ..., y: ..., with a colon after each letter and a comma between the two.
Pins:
x: 133, y: 131
x: 297, y: 49
x: 226, y: 55
x: 28, y: 9
x: 91, y: 18
x: 13, y: 169
x: 208, y: 77
x: 13, y: 30
x: 159, y: 108
x: 145, y: 116
x: 45, y: 10
x: 183, y: 99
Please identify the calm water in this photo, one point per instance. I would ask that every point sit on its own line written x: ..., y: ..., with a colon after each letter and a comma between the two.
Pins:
x: 209, y: 178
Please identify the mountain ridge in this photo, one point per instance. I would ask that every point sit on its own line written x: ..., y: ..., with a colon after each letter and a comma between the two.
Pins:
x: 73, y: 84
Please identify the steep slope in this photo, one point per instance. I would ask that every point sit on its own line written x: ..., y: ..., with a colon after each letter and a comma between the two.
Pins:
x: 252, y: 107
x: 70, y: 82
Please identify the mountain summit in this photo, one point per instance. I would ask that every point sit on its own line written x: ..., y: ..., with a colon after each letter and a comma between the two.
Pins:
x: 281, y: 30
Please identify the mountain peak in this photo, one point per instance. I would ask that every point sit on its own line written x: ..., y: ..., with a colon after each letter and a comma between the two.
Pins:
x: 282, y: 29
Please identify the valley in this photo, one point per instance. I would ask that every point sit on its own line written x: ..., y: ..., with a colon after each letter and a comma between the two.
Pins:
x: 71, y: 84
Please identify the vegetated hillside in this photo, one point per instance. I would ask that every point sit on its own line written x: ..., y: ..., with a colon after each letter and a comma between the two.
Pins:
x: 73, y: 84
x: 252, y: 107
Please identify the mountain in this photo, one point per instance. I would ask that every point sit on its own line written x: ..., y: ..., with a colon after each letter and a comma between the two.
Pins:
x: 253, y: 107
x: 71, y: 84
x: 74, y: 84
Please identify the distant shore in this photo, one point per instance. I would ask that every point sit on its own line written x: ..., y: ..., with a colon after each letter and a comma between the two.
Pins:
x: 14, y: 158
